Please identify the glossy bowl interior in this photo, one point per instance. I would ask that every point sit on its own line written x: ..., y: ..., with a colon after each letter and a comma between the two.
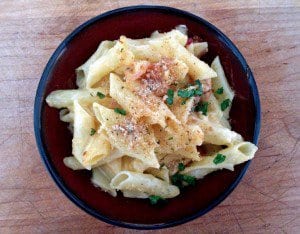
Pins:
x: 54, y: 139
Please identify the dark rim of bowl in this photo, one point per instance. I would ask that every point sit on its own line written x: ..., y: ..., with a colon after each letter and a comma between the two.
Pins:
x: 39, y: 101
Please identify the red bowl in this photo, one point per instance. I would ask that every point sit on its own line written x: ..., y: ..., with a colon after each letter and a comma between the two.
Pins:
x: 54, y: 139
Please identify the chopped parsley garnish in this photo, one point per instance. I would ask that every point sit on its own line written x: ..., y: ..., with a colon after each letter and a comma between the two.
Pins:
x: 93, y: 131
x: 183, y: 102
x: 155, y: 199
x: 181, y: 166
x: 202, y: 107
x: 100, y: 95
x: 190, y: 180
x: 199, y: 90
x: 180, y: 180
x: 188, y: 93
x: 170, y: 94
x: 170, y: 138
x: 225, y: 104
x: 219, y: 90
x: 185, y: 93
x: 120, y: 111
x: 177, y: 180
x: 219, y: 158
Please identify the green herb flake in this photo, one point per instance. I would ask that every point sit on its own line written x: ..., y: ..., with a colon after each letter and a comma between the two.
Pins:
x: 155, y: 199
x: 181, y: 167
x: 120, y: 111
x: 219, y: 159
x: 219, y: 91
x: 100, y: 95
x: 225, y: 104
x: 197, y: 82
x: 170, y: 138
x: 176, y: 179
x: 203, y: 107
x: 93, y: 131
x: 190, y: 180
x: 199, y: 90
x: 180, y: 180
x: 170, y: 94
x: 186, y: 93
x: 183, y: 102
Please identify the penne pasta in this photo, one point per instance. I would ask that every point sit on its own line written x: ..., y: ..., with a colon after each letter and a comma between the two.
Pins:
x: 83, y: 123
x: 221, y: 82
x: 65, y: 98
x: 73, y: 163
x: 149, y: 117
x: 127, y: 136
x: 171, y: 48
x: 149, y: 107
x: 83, y: 70
x: 145, y: 183
x: 198, y: 48
x: 234, y: 155
x: 217, y: 134
x: 113, y: 59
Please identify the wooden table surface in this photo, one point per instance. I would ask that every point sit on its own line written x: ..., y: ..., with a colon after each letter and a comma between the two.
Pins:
x: 267, y: 33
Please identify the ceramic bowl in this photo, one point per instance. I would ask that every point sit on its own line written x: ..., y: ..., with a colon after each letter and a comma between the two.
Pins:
x: 54, y: 139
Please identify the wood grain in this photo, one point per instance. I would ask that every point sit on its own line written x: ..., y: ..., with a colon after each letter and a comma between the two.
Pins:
x: 267, y: 33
